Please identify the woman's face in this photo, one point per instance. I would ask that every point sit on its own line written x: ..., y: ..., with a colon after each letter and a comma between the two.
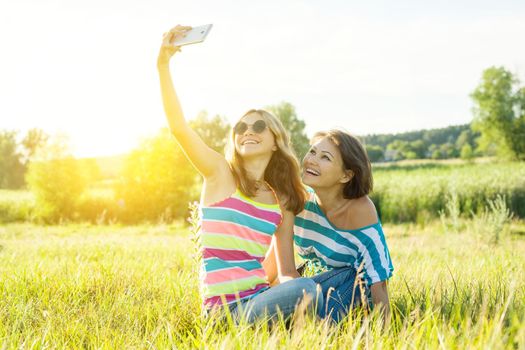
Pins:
x: 251, y: 141
x: 323, y: 166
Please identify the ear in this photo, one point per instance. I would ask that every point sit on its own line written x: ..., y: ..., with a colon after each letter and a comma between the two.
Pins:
x: 348, y: 175
x: 274, y: 148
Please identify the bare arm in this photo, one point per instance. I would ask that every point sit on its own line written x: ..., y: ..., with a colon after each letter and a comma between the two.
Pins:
x: 380, y: 299
x: 270, y: 265
x: 283, y: 249
x: 204, y: 159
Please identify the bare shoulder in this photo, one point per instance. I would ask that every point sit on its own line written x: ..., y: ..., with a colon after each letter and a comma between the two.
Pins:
x: 362, y: 212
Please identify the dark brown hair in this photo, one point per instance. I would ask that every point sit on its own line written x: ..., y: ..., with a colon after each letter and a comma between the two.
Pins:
x: 282, y: 172
x: 354, y: 158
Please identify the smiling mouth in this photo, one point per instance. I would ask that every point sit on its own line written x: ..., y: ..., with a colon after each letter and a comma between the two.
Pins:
x: 312, y: 172
x: 250, y: 142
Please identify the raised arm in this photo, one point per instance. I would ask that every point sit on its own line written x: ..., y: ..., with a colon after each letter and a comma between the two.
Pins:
x: 207, y: 161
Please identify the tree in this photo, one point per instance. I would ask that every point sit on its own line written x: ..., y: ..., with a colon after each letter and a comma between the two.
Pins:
x: 431, y: 136
x: 375, y: 153
x: 436, y: 154
x: 213, y: 131
x: 433, y: 151
x: 12, y: 169
x: 448, y: 150
x: 157, y: 181
x: 466, y: 152
x: 398, y: 149
x: 286, y: 113
x: 464, y: 138
x: 56, y: 180
x: 15, y: 156
x: 499, y: 112
x: 34, y: 139
x: 90, y: 170
x: 418, y: 148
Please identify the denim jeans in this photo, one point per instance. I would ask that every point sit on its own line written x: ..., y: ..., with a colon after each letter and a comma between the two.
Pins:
x: 281, y: 299
x: 340, y: 291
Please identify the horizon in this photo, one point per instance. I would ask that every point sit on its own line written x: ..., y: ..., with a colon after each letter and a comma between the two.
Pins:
x: 378, y: 68
x: 360, y: 136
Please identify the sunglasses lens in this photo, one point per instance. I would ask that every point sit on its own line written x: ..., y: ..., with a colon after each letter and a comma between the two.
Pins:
x: 240, y: 128
x: 259, y: 126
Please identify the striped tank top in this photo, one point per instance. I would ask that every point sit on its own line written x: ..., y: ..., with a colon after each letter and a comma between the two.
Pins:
x: 235, y: 236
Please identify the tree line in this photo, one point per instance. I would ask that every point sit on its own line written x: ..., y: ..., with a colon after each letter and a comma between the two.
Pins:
x: 450, y: 142
x: 156, y: 179
x: 498, y: 127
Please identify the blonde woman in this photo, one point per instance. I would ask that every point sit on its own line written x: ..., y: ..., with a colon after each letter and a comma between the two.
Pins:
x: 247, y: 198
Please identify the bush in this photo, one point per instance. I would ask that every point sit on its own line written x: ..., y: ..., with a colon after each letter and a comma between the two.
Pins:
x: 98, y: 209
x: 15, y: 206
x: 157, y: 182
x: 57, y: 185
x: 466, y: 152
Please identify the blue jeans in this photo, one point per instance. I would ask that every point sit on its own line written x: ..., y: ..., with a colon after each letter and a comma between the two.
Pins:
x: 281, y: 299
x: 340, y: 291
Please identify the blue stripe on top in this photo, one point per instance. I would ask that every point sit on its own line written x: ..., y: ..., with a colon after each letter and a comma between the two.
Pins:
x: 319, y: 241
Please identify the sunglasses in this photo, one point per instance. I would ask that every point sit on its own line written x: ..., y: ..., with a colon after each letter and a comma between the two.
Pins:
x: 257, y: 127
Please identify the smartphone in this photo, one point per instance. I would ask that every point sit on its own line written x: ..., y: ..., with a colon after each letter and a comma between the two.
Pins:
x: 194, y: 36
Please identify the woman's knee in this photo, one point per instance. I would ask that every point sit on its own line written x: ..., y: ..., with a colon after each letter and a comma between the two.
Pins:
x: 311, y: 290
x: 309, y: 286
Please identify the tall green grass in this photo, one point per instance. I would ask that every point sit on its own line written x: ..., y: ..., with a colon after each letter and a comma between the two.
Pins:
x: 85, y: 286
x: 406, y: 193
x: 417, y: 193
x: 16, y: 206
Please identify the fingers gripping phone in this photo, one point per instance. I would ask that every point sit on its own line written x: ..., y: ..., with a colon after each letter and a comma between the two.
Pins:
x: 194, y: 35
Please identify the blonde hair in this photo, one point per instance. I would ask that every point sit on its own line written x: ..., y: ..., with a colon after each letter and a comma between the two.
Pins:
x: 282, y: 172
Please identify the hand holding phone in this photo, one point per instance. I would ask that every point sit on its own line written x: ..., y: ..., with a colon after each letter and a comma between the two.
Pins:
x: 180, y: 36
x: 184, y: 35
x: 193, y: 35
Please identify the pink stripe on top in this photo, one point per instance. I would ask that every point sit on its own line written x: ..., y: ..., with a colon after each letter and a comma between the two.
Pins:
x: 244, y: 206
x: 228, y: 228
x: 234, y: 273
x: 237, y: 233
x: 227, y: 254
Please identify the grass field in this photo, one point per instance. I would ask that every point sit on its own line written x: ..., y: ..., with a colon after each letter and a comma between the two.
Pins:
x: 415, y: 191
x: 88, y: 286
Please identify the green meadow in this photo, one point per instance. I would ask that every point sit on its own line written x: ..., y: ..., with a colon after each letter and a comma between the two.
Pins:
x: 415, y: 191
x: 111, y: 286
x: 419, y: 191
x: 456, y: 234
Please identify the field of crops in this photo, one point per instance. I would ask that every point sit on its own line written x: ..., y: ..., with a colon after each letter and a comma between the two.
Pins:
x: 418, y: 192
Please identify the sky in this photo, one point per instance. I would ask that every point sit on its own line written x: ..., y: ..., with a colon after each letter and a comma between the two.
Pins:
x: 88, y: 68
